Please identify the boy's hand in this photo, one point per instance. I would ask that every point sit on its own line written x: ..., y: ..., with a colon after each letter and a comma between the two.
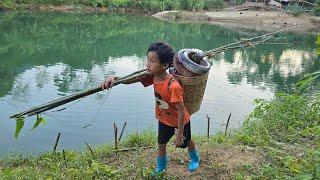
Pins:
x: 108, y: 82
x: 179, y: 140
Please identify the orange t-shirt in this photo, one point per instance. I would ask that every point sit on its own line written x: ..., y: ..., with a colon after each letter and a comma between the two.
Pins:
x: 166, y: 111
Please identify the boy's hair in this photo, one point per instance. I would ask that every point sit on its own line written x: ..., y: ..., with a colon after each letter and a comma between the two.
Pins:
x: 164, y: 52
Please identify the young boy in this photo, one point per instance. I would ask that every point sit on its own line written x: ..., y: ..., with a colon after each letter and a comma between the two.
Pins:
x: 170, y: 110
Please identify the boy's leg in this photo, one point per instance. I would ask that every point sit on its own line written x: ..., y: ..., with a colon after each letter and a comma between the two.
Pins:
x: 164, y: 134
x: 161, y: 158
x: 162, y: 149
x: 194, y: 156
x: 192, y: 151
x: 191, y: 145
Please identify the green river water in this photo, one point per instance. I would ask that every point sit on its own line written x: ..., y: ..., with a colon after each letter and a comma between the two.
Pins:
x: 44, y: 56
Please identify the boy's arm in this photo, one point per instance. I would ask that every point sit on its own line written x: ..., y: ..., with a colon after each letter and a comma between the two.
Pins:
x: 133, y: 80
x: 109, y: 81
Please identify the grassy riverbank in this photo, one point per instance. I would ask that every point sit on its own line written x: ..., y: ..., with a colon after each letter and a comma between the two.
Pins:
x: 149, y: 6
x: 144, y: 5
x: 279, y: 139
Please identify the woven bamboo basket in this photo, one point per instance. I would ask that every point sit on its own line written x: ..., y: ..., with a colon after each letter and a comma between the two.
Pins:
x: 193, y: 88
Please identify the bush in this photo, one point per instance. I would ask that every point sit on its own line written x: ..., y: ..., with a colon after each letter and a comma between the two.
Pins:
x: 237, y: 2
x: 294, y: 9
x: 316, y: 10
x: 213, y: 4
x: 6, y: 4
x: 286, y: 118
x: 192, y: 5
x: 146, y: 138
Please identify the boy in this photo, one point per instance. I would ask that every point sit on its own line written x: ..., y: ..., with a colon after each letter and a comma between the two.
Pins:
x: 170, y: 110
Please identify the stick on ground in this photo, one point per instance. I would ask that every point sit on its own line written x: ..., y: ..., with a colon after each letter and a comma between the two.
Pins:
x: 208, y: 128
x: 56, y: 142
x: 90, y: 150
x: 64, y: 157
x: 133, y: 148
x: 122, y: 130
x: 115, y: 128
x: 225, y: 132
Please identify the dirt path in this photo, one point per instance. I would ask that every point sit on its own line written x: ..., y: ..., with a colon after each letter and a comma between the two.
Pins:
x: 257, y: 20
x: 217, y: 162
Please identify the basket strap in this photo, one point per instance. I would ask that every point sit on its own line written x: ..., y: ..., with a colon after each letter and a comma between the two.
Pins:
x: 170, y: 82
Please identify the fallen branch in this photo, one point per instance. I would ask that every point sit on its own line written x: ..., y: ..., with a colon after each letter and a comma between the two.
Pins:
x: 134, y: 148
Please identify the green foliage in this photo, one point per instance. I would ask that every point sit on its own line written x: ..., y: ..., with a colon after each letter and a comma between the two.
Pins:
x: 218, y: 138
x: 294, y: 9
x: 316, y: 10
x: 146, y: 5
x: 19, y: 125
x: 192, y: 5
x: 7, y: 4
x: 213, y: 4
x: 146, y: 138
x: 290, y: 119
x: 40, y: 120
x: 237, y: 2
x: 148, y: 173
x: 280, y: 166
x: 286, y: 118
x: 49, y: 166
x: 306, y: 80
x: 76, y: 165
x: 118, y: 3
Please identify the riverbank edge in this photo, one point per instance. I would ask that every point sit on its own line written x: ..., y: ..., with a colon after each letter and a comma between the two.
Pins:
x: 258, y: 20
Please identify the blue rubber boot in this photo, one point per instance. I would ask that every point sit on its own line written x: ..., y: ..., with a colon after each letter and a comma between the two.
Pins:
x: 161, y: 164
x: 195, y: 160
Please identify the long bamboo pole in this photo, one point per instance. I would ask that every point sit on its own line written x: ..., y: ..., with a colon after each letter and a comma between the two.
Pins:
x: 58, y: 102
x: 138, y: 74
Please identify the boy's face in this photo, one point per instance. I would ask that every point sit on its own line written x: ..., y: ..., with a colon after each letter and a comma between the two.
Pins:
x: 153, y: 64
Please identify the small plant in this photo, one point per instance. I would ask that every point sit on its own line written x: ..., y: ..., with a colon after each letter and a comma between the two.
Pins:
x: 213, y: 4
x: 192, y: 5
x: 282, y: 119
x: 316, y: 9
x: 294, y: 9
x: 147, y: 138
x: 307, y: 80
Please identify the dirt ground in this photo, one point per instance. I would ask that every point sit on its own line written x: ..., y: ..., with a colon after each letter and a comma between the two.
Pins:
x: 257, y: 20
x: 219, y: 162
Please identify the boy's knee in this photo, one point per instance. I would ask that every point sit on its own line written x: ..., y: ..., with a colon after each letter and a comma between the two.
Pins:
x: 162, y: 145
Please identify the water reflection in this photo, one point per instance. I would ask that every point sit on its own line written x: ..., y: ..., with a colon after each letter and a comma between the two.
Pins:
x: 47, y: 55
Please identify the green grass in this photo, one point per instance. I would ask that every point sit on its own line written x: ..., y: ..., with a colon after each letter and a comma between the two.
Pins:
x: 146, y: 138
x: 289, y: 118
x: 287, y: 128
x: 284, y: 132
x: 294, y: 9
x: 316, y: 10
x: 145, y: 5
x: 79, y: 165
x: 7, y: 4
